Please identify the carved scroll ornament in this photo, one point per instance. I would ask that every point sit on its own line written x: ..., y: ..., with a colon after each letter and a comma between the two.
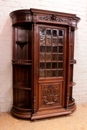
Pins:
x: 54, y: 18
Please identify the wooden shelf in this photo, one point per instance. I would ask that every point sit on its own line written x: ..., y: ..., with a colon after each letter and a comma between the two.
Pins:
x: 22, y: 87
x: 72, y: 84
x: 73, y: 61
x: 52, y: 69
x: 21, y: 62
x: 51, y: 61
x: 22, y: 107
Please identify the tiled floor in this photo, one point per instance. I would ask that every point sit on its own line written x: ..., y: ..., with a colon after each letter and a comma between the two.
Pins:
x: 75, y: 121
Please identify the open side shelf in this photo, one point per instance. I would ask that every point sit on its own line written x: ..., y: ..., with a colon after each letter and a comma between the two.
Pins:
x: 72, y: 105
x: 23, y: 114
x: 72, y: 84
x: 22, y: 87
x: 73, y: 61
x: 22, y: 107
x: 21, y: 62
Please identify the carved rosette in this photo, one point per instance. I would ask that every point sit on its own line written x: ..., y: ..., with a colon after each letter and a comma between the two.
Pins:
x: 50, y: 95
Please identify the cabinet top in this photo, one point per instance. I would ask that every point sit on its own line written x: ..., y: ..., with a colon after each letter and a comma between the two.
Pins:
x: 43, y: 16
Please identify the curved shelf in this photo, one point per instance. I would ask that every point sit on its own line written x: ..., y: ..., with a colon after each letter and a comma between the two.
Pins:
x: 21, y: 62
x: 22, y: 108
x: 21, y: 113
x: 22, y: 87
x: 72, y: 105
x: 72, y: 61
x: 72, y: 84
x: 21, y: 17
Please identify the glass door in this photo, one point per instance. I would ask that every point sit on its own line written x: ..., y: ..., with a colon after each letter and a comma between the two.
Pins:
x: 52, y: 64
x: 51, y: 52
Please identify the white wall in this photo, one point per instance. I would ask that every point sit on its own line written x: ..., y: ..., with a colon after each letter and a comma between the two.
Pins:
x: 80, y: 70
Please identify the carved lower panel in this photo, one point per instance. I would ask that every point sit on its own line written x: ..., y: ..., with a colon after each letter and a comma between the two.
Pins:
x: 50, y: 94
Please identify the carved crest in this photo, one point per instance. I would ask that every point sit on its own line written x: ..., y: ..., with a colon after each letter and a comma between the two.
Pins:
x: 53, y: 18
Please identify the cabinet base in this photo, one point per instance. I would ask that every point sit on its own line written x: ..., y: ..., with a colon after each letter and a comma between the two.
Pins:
x: 52, y: 113
x: 44, y: 114
x: 72, y: 105
x: 21, y: 115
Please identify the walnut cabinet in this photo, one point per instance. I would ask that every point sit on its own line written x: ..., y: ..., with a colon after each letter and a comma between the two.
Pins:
x: 43, y: 61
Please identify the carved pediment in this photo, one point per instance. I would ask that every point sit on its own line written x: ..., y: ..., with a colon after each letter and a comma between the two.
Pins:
x: 50, y: 18
x: 57, y: 19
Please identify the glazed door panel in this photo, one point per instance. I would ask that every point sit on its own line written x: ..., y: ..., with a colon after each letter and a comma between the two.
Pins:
x: 51, y: 67
x: 51, y: 52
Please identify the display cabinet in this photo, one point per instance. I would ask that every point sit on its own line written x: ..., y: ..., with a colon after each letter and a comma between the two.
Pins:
x: 43, y: 59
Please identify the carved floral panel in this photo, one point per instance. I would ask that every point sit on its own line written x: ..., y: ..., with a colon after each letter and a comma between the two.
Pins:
x: 51, y: 94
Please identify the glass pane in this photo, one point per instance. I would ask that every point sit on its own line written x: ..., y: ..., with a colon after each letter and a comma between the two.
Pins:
x: 48, y: 48
x: 54, y: 65
x: 48, y: 73
x: 54, y: 57
x: 60, y: 49
x: 42, y: 31
x: 42, y: 65
x: 48, y: 57
x: 54, y: 41
x: 48, y: 65
x: 42, y: 73
x: 61, y: 40
x: 60, y: 32
x: 60, y: 72
x: 42, y: 57
x: 60, y: 65
x: 42, y: 40
x: 54, y: 73
x: 54, y: 32
x: 42, y: 36
x: 42, y: 48
x: 48, y: 32
x: 48, y: 41
x: 60, y: 57
x: 54, y: 49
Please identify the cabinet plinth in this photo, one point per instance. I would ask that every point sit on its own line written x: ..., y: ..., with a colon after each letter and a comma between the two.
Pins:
x: 43, y: 62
